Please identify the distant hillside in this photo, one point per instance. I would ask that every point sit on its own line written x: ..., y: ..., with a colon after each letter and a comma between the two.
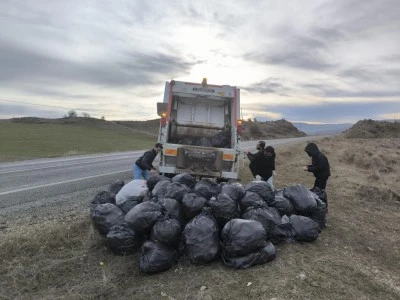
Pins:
x: 270, y: 130
x: 253, y: 130
x: 91, y: 122
x: 320, y: 129
x: 151, y: 126
x: 144, y: 127
x: 373, y: 129
x: 29, y: 138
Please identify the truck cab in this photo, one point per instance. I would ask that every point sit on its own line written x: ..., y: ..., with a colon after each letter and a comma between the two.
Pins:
x: 200, y: 129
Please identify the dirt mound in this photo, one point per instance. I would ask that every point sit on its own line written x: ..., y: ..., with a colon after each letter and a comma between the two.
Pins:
x: 370, y: 129
x: 270, y: 130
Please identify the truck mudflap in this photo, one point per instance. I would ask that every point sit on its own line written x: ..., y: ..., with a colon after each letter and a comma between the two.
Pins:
x: 199, y: 161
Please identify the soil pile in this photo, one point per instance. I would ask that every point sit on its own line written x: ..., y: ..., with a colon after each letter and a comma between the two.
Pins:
x: 370, y: 129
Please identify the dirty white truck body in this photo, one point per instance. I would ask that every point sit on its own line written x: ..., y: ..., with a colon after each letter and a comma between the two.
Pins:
x: 199, y: 129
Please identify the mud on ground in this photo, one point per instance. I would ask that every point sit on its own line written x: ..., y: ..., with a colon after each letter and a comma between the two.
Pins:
x: 356, y: 257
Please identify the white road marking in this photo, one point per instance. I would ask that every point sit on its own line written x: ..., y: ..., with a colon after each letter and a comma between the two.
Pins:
x: 67, y: 165
x: 61, y: 182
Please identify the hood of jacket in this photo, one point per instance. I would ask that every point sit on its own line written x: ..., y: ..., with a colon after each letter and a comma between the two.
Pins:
x: 311, y: 149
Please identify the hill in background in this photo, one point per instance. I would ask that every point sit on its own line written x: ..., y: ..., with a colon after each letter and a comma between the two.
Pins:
x: 373, y: 129
x: 252, y: 130
x: 321, y: 129
x: 150, y: 126
x: 270, y: 130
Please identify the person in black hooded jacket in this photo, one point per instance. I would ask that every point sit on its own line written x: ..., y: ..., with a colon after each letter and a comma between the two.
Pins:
x: 256, y: 159
x: 319, y: 166
x: 267, y: 164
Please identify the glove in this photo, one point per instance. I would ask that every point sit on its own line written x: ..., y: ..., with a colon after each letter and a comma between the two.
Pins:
x: 273, y: 173
x: 258, y: 177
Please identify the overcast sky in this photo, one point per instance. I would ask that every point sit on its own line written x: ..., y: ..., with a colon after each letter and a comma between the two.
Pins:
x: 329, y: 61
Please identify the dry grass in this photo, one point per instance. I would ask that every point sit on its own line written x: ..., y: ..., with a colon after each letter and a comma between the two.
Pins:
x: 356, y: 257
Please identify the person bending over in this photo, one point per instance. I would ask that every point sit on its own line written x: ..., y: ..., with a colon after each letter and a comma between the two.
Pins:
x: 319, y: 166
x: 143, y: 166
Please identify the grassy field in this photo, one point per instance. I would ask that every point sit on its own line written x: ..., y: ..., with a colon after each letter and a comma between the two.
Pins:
x: 29, y: 140
x: 356, y: 257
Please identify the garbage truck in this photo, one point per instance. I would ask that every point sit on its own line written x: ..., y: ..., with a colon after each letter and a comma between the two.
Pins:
x: 200, y: 130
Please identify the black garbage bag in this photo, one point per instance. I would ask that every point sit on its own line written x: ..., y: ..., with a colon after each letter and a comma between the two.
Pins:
x: 105, y: 216
x: 275, y: 212
x: 234, y: 190
x: 283, y: 232
x: 207, y: 189
x: 258, y: 257
x: 301, y: 198
x: 305, y: 229
x: 222, y: 139
x: 261, y: 214
x: 123, y: 240
x: 154, y: 179
x: 160, y: 189
x: 203, y: 141
x: 116, y: 186
x: 176, y: 191
x: 171, y: 207
x: 319, y: 214
x: 167, y: 231
x: 186, y: 179
x: 250, y: 199
x: 143, y: 216
x: 192, y: 205
x: 102, y: 197
x: 322, y: 195
x: 282, y: 203
x: 240, y: 237
x: 127, y: 205
x: 148, y: 196
x: 155, y: 257
x: 263, y: 189
x: 186, y: 141
x: 202, y: 244
x: 224, y: 208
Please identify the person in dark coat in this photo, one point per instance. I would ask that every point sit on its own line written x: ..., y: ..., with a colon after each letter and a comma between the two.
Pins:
x: 268, y: 164
x: 144, y: 164
x: 319, y: 166
x: 256, y: 159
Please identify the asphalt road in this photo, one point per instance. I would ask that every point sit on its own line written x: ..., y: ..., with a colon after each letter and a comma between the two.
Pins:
x: 31, y: 181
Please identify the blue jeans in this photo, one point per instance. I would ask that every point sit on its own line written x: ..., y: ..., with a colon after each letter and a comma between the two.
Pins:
x: 139, y: 173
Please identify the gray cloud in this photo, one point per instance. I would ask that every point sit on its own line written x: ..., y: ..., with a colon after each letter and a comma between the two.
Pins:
x: 331, y: 112
x: 309, y: 50
x: 330, y: 91
x: 18, y: 110
x: 361, y: 18
x: 134, y: 69
x: 268, y: 86
x: 360, y: 73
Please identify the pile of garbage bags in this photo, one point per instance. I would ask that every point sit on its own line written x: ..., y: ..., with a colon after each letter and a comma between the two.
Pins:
x: 163, y: 219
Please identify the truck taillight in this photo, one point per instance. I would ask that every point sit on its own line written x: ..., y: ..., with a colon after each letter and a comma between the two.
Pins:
x: 240, y: 127
x: 163, y: 119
